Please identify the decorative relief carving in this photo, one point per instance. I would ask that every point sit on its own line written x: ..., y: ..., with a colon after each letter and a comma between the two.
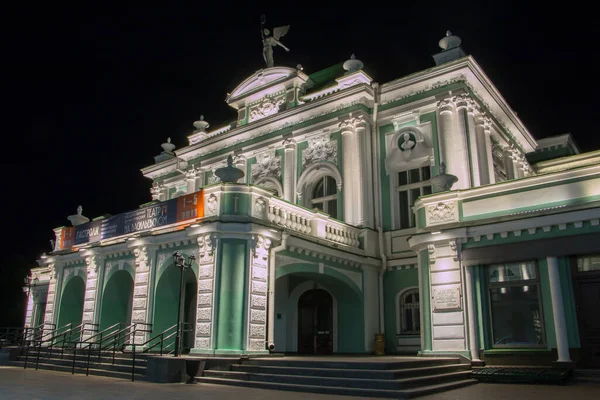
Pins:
x: 138, y: 316
x: 320, y: 148
x: 261, y: 249
x: 140, y: 291
x: 204, y: 314
x: 139, y: 303
x: 203, y: 343
x: 268, y: 106
x: 260, y: 205
x: 205, y: 285
x: 258, y: 301
x: 257, y: 344
x: 267, y: 165
x: 206, y: 271
x: 431, y: 251
x: 259, y: 287
x: 441, y: 212
x: 258, y: 316
x: 257, y: 331
x: 206, y: 248
x: 205, y: 299
x: 212, y: 204
x: 203, y: 329
x: 351, y: 124
x: 259, y: 273
x: 141, y: 256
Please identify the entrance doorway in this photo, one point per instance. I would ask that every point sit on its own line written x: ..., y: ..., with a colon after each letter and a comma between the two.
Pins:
x: 315, y: 322
x: 586, y: 274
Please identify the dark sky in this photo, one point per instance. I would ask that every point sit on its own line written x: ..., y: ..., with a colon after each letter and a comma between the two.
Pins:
x: 93, y: 89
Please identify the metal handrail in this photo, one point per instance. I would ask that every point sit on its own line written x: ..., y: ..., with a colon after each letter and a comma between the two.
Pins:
x: 11, y: 336
x: 56, y: 339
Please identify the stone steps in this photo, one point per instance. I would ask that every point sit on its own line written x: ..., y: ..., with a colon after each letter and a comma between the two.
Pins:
x: 60, y: 360
x: 398, y: 379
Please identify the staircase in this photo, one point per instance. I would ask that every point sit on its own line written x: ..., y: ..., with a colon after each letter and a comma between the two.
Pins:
x: 57, y: 359
x: 397, y: 377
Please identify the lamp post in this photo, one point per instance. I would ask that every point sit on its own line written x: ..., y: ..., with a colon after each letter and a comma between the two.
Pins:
x: 30, y: 281
x: 180, y: 262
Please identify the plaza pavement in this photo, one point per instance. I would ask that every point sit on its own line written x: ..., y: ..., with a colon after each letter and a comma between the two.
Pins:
x: 17, y: 383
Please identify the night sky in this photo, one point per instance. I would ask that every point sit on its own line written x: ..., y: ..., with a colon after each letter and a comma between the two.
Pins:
x: 93, y: 89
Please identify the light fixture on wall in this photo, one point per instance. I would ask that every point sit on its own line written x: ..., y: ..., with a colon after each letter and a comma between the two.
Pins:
x: 180, y: 261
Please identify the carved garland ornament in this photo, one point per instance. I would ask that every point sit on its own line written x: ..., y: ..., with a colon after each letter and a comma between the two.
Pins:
x: 267, y: 165
x: 441, y: 212
x: 266, y: 107
x: 320, y: 148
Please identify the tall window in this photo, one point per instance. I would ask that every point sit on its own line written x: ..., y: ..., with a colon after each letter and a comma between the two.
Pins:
x: 411, y: 185
x: 588, y: 263
x: 515, y: 305
x: 409, y: 313
x: 324, y: 196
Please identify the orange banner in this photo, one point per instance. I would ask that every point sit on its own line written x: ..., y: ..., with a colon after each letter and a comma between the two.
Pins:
x: 67, y: 235
x: 190, y: 206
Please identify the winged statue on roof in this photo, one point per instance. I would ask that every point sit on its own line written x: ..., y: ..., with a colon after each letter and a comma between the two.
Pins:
x: 270, y: 41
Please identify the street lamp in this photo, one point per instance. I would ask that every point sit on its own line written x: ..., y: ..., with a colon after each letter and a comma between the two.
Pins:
x: 180, y: 262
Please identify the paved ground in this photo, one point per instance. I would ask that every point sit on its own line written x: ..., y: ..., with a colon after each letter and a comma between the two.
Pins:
x: 17, y: 383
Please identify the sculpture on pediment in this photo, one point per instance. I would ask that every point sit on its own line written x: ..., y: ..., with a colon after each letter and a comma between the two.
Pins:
x: 270, y: 41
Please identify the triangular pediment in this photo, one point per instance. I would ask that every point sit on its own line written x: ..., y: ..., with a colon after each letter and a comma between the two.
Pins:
x: 264, y: 82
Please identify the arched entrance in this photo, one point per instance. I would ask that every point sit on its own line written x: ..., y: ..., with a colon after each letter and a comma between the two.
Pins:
x: 116, y: 300
x: 71, y: 303
x: 315, y: 322
x: 166, y: 300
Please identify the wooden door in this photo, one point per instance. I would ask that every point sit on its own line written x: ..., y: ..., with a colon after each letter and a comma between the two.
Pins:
x: 315, y: 322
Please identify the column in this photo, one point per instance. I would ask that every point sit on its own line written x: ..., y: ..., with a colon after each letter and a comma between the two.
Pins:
x: 200, y: 178
x: 205, y: 314
x: 560, y: 325
x: 348, y: 176
x: 240, y: 162
x: 371, y: 306
x: 484, y: 148
x: 465, y: 107
x: 89, y: 302
x: 452, y: 142
x: 144, y: 258
x: 289, y: 174
x: 510, y: 162
x: 190, y: 179
x: 360, y: 158
x: 257, y: 306
x: 471, y: 315
x: 155, y: 191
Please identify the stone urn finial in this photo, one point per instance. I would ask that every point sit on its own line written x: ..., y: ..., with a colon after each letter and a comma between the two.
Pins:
x: 353, y: 64
x: 229, y: 174
x: 201, y: 125
x: 443, y: 182
x: 168, y: 147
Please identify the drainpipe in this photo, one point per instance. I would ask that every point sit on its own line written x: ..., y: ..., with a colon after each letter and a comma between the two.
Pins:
x: 271, y: 293
x: 377, y: 200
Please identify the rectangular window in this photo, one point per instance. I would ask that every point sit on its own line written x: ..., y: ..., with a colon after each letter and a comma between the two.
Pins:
x: 515, y: 305
x: 588, y: 263
x: 411, y: 185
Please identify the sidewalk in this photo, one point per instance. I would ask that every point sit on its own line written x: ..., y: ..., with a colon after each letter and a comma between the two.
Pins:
x: 17, y: 383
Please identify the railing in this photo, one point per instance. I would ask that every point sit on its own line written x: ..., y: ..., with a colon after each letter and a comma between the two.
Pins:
x: 57, y: 337
x: 95, y: 339
x: 289, y: 216
x: 12, y: 336
x: 341, y: 233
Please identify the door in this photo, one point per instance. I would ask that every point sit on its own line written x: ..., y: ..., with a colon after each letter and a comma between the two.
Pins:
x: 315, y: 322
x: 587, y: 298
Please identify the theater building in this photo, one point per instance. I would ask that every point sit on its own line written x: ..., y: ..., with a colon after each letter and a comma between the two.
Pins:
x: 420, y: 208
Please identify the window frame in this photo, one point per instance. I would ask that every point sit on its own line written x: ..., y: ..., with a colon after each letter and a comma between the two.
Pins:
x: 516, y: 283
x: 408, y: 188
x: 400, y: 302
x: 325, y: 200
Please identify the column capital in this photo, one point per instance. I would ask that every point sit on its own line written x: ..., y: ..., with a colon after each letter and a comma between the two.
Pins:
x: 446, y: 106
x: 207, y: 244
x: 289, y: 144
x: 465, y: 101
x: 351, y: 124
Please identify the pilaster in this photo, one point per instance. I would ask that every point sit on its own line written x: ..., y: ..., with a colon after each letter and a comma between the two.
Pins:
x: 465, y: 106
x: 289, y: 175
x: 205, y: 314
x: 90, y: 305
x: 257, y: 304
x: 190, y: 179
x: 371, y: 306
x: 354, y: 171
x: 452, y: 141
x: 144, y: 260
x: 49, y: 318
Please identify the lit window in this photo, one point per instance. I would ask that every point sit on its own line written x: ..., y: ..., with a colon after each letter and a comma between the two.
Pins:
x: 324, y: 196
x: 515, y: 305
x: 410, y: 186
x: 588, y: 263
x: 409, y: 313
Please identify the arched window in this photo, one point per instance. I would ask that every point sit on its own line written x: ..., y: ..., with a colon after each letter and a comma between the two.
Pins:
x: 409, y: 313
x: 324, y: 195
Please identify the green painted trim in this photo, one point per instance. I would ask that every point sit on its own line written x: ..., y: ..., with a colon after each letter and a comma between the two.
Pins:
x: 228, y: 203
x: 568, y: 295
x: 282, y: 131
x: 516, y: 351
x: 554, y: 231
x: 546, y: 303
x: 421, y: 218
x: 386, y: 210
x: 300, y: 268
x: 422, y: 95
x: 426, y: 329
x: 569, y: 202
x: 231, y: 295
